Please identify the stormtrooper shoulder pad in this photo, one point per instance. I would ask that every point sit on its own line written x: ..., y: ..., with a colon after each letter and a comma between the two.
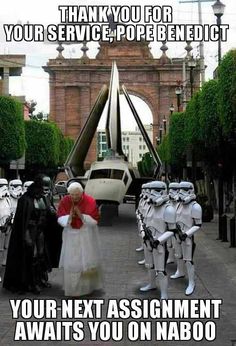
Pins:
x: 196, y: 211
x: 170, y: 214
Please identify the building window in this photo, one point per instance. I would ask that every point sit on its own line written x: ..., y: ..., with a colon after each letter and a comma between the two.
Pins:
x: 127, y: 139
x: 140, y: 147
x: 140, y: 139
x: 144, y: 147
x: 140, y: 155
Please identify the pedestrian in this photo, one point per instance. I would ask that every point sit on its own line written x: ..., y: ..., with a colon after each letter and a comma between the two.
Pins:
x: 80, y: 254
x: 27, y: 260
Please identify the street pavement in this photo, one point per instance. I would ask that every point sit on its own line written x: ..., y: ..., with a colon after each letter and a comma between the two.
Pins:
x: 215, y: 277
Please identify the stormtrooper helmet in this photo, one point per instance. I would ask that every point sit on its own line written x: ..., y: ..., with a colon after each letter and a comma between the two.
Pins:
x: 142, y: 191
x: 174, y: 191
x: 26, y: 185
x: 146, y: 191
x: 15, y: 188
x: 4, y: 192
x: 158, y: 194
x: 186, y: 192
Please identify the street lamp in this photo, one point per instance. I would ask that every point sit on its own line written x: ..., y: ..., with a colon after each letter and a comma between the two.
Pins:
x: 191, y: 64
x: 178, y: 92
x: 160, y: 133
x: 218, y: 9
x: 158, y: 139
x: 172, y: 108
x: 164, y: 124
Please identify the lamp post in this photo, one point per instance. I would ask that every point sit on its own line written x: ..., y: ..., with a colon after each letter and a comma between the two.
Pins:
x: 218, y: 9
x: 172, y: 108
x: 178, y: 92
x: 164, y: 124
x: 191, y: 64
x: 165, y: 163
x: 158, y: 138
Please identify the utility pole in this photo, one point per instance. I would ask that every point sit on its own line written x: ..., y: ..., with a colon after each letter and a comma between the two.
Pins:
x: 201, y: 45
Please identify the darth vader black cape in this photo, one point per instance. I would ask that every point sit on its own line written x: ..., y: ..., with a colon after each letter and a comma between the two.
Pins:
x: 17, y: 270
x: 53, y: 234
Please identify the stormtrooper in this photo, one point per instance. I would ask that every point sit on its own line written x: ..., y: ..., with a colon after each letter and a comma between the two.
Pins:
x: 173, y: 188
x: 159, y: 226
x: 141, y: 212
x: 174, y: 243
x: 189, y: 220
x: 173, y: 193
x: 5, y: 218
x: 16, y: 191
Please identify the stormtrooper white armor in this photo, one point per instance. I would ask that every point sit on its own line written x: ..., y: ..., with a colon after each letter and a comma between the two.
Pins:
x: 26, y: 185
x: 189, y: 220
x: 141, y: 213
x: 173, y: 197
x: 16, y: 191
x: 176, y: 241
x: 161, y: 223
x: 5, y: 218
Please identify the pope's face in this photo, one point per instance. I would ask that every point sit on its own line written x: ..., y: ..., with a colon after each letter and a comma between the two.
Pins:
x: 76, y: 196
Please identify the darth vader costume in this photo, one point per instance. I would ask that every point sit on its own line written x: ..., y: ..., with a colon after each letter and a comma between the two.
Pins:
x: 28, y: 260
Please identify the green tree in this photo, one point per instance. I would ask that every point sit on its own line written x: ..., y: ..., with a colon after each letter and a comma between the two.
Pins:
x: 12, y: 138
x: 32, y: 106
x: 146, y: 166
x: 177, y: 139
x: 164, y: 149
x: 43, y: 144
x: 208, y: 114
x: 192, y: 123
x: 227, y: 93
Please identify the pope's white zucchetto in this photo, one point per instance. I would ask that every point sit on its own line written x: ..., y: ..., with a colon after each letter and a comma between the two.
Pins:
x: 75, y: 187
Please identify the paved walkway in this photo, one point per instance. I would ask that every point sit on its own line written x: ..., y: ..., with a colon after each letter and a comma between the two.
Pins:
x: 216, y: 279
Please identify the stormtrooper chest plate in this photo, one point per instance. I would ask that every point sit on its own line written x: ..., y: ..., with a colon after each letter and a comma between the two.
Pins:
x: 174, y: 204
x: 155, y: 218
x: 184, y: 216
x: 5, y: 210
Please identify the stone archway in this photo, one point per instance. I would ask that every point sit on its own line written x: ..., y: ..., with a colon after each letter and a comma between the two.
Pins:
x: 75, y: 83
